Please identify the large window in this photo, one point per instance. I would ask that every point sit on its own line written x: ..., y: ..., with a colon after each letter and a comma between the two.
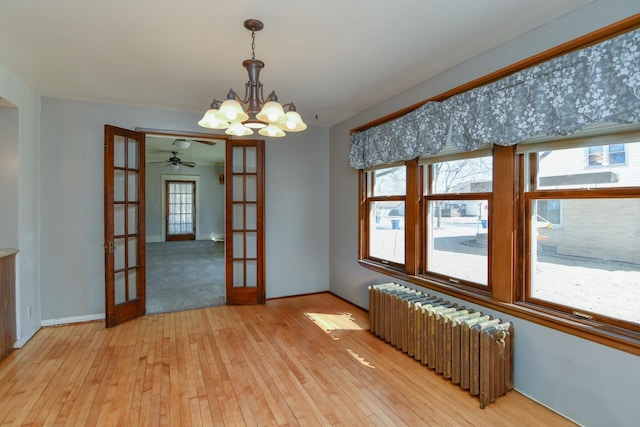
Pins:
x: 456, y: 209
x: 530, y: 228
x: 547, y: 230
x: 590, y: 266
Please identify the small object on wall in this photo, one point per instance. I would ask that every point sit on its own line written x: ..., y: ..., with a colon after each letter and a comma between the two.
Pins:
x: 221, y: 179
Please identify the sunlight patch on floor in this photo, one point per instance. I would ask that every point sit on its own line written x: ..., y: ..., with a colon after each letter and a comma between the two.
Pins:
x: 360, y: 359
x: 334, y: 322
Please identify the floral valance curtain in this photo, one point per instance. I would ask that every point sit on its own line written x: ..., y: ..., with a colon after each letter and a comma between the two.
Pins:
x: 600, y: 83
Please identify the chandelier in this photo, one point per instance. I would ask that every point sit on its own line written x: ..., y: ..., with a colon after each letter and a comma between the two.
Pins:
x: 239, y: 116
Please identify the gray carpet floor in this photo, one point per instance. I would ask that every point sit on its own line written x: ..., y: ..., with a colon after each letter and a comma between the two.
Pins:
x: 184, y: 275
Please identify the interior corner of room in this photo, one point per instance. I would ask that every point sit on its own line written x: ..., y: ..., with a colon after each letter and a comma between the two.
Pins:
x: 52, y: 216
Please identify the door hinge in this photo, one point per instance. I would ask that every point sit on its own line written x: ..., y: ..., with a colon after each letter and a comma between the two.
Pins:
x: 108, y: 248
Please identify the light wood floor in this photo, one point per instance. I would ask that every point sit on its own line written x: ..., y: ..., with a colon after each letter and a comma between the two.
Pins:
x: 298, y: 361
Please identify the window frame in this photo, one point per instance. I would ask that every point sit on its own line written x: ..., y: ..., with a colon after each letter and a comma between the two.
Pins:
x: 366, y: 185
x: 507, y: 207
x: 530, y: 193
x: 428, y: 196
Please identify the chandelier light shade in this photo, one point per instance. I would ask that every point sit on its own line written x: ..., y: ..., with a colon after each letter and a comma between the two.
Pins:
x: 239, y: 116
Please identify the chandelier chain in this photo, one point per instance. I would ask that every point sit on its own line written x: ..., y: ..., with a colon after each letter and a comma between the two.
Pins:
x: 253, y: 45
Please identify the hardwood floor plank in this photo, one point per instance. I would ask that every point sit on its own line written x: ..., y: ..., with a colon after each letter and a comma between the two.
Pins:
x: 303, y: 361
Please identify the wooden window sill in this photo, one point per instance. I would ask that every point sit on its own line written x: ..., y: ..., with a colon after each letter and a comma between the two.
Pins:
x: 621, y: 339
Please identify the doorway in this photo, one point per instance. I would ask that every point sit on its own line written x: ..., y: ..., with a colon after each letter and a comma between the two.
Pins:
x: 127, y: 173
x: 185, y: 206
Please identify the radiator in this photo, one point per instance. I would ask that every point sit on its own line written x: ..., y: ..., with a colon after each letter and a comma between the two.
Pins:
x: 469, y: 348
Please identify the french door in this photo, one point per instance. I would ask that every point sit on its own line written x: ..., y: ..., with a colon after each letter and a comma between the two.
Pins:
x: 124, y: 233
x: 124, y: 224
x: 180, y: 210
x: 244, y: 237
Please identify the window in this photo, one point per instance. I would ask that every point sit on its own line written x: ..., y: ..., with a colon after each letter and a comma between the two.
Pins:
x: 385, y: 194
x: 605, y: 155
x: 560, y: 215
x: 457, y: 202
x: 589, y: 267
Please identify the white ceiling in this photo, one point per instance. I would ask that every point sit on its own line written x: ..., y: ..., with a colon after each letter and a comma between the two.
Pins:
x: 333, y: 58
x: 160, y: 148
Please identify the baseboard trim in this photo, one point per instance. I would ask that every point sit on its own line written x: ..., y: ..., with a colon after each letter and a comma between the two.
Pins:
x: 153, y: 239
x: 22, y: 341
x: 74, y: 319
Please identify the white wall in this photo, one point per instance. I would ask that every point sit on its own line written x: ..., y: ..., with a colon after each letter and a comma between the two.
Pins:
x: 210, y: 199
x: 27, y: 175
x: 297, y: 214
x: 587, y: 382
x: 9, y: 169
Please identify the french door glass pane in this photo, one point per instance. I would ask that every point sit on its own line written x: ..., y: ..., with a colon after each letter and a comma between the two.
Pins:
x: 238, y: 274
x: 132, y: 252
x: 119, y: 143
x: 238, y: 160
x: 132, y: 157
x: 132, y: 223
x: 238, y: 245
x: 252, y: 274
x: 118, y: 185
x: 133, y: 289
x: 251, y: 166
x: 238, y: 216
x: 252, y: 192
x: 237, y: 188
x: 252, y: 244
x: 118, y: 220
x: 252, y: 216
x: 118, y: 254
x: 120, y: 286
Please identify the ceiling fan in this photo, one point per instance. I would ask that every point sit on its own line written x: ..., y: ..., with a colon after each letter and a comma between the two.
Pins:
x: 184, y: 143
x: 175, y: 161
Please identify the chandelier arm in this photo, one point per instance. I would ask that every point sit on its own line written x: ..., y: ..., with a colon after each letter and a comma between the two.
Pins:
x: 245, y: 101
x: 233, y: 95
x: 261, y: 94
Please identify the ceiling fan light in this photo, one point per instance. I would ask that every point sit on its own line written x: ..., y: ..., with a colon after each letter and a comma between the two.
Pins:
x: 209, y: 120
x: 182, y: 144
x: 272, y: 112
x: 272, y: 131
x: 293, y: 122
x: 175, y: 166
x: 238, y: 129
x: 231, y: 111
